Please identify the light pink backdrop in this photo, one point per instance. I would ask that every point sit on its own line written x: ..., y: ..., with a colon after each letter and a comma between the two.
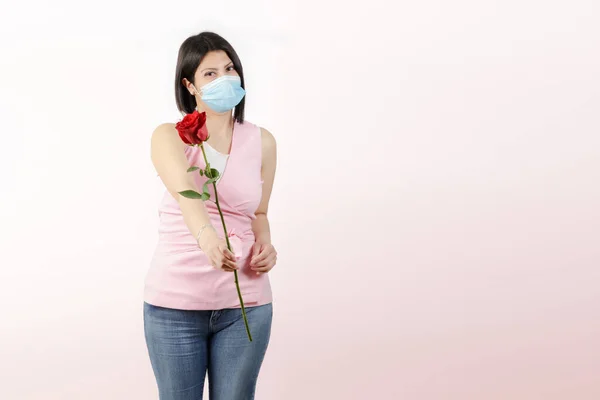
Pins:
x: 436, y: 206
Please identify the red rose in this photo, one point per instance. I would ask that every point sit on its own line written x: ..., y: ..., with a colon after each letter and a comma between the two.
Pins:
x: 192, y: 128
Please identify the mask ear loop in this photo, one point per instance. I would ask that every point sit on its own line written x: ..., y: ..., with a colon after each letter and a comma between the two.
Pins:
x: 197, y: 92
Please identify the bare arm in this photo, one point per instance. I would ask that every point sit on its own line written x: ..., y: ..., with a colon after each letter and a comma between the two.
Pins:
x: 260, y: 225
x: 264, y: 255
x: 171, y: 164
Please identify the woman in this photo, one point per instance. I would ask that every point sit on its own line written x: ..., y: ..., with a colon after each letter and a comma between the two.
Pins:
x: 192, y: 315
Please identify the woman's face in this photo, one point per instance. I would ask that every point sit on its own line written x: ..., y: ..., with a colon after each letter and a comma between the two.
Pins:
x: 214, y: 65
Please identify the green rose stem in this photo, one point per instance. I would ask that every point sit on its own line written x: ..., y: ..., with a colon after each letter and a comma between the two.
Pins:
x: 237, y: 284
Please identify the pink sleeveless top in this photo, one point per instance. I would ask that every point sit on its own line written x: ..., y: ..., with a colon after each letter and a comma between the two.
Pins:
x: 180, y: 275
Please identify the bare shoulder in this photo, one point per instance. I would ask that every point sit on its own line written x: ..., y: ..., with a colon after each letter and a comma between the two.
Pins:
x: 167, y: 133
x: 165, y: 129
x: 268, y: 140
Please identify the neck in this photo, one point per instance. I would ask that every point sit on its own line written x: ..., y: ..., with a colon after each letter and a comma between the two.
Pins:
x: 219, y: 125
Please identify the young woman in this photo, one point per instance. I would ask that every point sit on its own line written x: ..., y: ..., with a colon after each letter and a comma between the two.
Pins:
x: 192, y: 314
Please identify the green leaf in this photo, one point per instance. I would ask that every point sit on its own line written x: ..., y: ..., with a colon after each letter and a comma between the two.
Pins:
x: 205, y: 196
x: 212, y: 175
x: 205, y: 190
x: 191, y: 169
x: 191, y: 194
x: 201, y: 172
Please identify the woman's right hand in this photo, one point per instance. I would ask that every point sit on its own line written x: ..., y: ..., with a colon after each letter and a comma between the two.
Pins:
x: 217, y: 252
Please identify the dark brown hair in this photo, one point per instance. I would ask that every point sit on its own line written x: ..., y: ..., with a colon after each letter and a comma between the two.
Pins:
x: 191, y: 53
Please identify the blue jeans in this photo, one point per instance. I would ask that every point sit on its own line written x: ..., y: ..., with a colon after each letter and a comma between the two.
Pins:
x: 186, y: 344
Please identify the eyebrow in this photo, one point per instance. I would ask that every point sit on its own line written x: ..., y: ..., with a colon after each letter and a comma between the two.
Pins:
x: 216, y: 69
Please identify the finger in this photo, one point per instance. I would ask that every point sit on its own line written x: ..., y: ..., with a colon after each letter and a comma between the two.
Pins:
x: 265, y: 269
x: 256, y: 249
x: 261, y: 257
x: 265, y: 264
x: 229, y: 255
x: 224, y: 262
x: 226, y: 268
x: 219, y: 262
x: 225, y: 251
x: 229, y: 264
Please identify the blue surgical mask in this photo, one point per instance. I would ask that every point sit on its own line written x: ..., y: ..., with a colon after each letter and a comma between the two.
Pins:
x: 224, y: 93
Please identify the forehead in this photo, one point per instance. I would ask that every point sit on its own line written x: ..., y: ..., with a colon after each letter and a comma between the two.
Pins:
x: 214, y: 59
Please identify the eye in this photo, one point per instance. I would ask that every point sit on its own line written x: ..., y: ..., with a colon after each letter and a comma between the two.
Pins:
x: 231, y: 68
x: 208, y: 73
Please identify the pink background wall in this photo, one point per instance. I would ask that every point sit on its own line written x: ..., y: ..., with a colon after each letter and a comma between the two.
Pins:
x: 436, y: 206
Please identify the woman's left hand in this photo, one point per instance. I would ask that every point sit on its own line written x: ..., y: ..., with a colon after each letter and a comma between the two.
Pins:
x: 263, y: 258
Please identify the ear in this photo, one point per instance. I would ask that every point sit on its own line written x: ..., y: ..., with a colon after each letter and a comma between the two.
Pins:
x: 189, y: 86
